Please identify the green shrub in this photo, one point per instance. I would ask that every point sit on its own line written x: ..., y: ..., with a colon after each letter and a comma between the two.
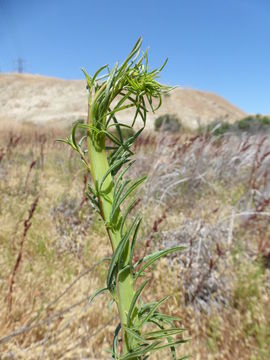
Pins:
x: 251, y: 123
x: 167, y: 122
x: 218, y: 128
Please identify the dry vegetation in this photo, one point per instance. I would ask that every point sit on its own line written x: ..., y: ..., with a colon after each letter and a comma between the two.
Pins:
x: 210, y: 194
x: 40, y: 99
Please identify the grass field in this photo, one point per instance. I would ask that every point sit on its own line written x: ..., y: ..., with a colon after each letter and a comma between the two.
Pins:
x: 210, y: 194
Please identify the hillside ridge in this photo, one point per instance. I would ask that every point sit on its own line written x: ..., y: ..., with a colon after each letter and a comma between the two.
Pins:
x: 40, y: 99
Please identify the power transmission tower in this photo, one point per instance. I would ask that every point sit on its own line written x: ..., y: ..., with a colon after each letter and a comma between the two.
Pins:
x: 18, y: 65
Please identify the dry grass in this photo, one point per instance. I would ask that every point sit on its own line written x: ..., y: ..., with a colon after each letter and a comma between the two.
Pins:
x: 197, y: 188
x: 44, y: 100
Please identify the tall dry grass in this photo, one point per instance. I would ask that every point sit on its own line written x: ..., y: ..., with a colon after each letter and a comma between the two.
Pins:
x: 222, y: 279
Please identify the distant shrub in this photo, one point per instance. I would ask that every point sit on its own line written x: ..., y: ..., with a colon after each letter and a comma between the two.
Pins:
x: 257, y: 122
x: 218, y: 127
x: 251, y: 123
x: 167, y: 122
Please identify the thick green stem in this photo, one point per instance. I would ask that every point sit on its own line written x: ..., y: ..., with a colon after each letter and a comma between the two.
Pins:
x: 98, y: 167
x: 132, y: 84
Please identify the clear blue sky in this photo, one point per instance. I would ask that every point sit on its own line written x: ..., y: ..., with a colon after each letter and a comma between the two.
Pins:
x: 221, y: 46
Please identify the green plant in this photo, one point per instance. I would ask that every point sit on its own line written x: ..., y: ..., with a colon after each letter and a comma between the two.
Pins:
x: 218, y: 128
x: 214, y: 334
x: 249, y: 297
x: 257, y: 122
x: 167, y: 122
x: 108, y: 158
x: 125, y: 132
x: 80, y: 132
x: 250, y: 123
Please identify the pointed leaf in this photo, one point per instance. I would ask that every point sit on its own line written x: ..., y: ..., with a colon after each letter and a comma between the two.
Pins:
x: 150, y: 259
x: 96, y: 293
x: 134, y: 300
x: 174, y: 343
x: 126, y: 194
x: 114, y: 262
x: 154, y: 308
x: 130, y: 206
x: 157, y: 335
x: 139, y: 352
x: 135, y: 335
x: 118, y: 328
x: 132, y: 247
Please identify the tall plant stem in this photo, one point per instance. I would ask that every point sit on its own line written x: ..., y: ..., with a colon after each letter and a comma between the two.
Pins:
x: 130, y: 84
x: 98, y: 167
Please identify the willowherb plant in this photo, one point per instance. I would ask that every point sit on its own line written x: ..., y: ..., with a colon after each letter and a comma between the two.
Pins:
x: 108, y: 158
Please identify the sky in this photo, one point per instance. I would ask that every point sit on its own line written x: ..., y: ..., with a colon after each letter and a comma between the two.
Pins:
x: 220, y: 46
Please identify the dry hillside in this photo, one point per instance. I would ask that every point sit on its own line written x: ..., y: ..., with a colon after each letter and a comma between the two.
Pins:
x: 38, y: 99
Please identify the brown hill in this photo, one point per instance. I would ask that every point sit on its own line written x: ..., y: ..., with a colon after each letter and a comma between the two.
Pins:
x: 38, y: 99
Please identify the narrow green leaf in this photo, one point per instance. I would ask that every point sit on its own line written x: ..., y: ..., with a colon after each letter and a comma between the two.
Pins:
x: 154, y: 335
x: 166, y: 318
x: 105, y: 102
x: 123, y: 172
x: 123, y: 151
x: 169, y: 338
x: 120, y: 124
x: 124, y: 269
x: 126, y: 213
x: 109, y: 171
x: 134, y: 50
x: 66, y: 141
x: 135, y: 335
x: 82, y: 140
x: 154, y: 308
x: 133, y: 302
x: 114, y: 262
x: 132, y: 247
x: 111, y: 147
x: 139, y: 352
x: 117, y: 255
x: 96, y: 293
x: 88, y: 79
x: 134, y: 137
x: 112, y: 137
x: 174, y: 343
x: 117, y: 195
x: 97, y: 73
x: 132, y: 61
x: 150, y: 259
x: 73, y: 134
x: 119, y: 105
x: 126, y: 194
x: 118, y: 127
x: 117, y: 330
